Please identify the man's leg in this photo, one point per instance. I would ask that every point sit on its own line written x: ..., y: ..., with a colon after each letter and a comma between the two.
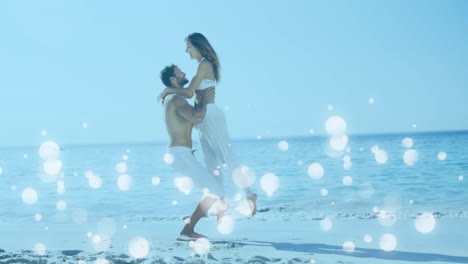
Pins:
x: 201, y: 210
x: 186, y: 164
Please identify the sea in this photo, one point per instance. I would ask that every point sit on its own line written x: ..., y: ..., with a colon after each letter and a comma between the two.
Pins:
x: 295, y: 178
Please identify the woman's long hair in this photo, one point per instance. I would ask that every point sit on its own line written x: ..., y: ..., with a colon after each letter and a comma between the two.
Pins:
x: 206, y: 50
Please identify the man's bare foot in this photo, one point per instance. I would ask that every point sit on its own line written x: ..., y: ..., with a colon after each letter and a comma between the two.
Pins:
x: 253, y: 199
x: 222, y: 208
x: 190, y: 236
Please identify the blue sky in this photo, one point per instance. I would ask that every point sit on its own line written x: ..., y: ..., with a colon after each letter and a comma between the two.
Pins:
x: 63, y: 63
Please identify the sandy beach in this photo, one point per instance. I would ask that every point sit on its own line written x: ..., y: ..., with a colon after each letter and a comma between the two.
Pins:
x: 257, y: 240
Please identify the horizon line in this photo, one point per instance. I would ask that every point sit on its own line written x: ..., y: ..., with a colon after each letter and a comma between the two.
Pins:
x: 158, y: 142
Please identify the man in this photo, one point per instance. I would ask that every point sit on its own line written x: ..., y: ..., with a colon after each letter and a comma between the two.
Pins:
x: 180, y: 118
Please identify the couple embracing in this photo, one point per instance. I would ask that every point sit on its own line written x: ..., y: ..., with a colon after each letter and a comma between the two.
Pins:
x: 181, y: 117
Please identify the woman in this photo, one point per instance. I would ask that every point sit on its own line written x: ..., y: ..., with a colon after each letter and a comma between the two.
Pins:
x: 214, y: 137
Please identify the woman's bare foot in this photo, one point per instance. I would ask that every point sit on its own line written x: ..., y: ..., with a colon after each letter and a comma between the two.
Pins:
x: 222, y: 208
x: 253, y: 199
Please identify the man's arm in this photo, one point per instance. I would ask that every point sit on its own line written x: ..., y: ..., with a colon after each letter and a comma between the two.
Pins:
x: 194, y: 114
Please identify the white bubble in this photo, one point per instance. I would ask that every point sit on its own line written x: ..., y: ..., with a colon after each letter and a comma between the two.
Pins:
x: 371, y: 100
x: 245, y: 207
x: 81, y: 262
x: 410, y: 157
x: 89, y: 234
x: 80, y: 216
x: 311, y: 131
x: 339, y: 142
x: 243, y: 177
x: 225, y: 225
x: 411, y: 201
x: 94, y: 181
x: 29, y: 196
x: 425, y: 222
x: 283, y: 145
x: 75, y: 174
x: 155, y: 180
x: 60, y: 187
x: 13, y: 187
x: 347, y: 180
x: 1, y: 171
x: 347, y: 165
x: 312, y: 261
x: 43, y: 132
x: 335, y: 125
x: 315, y: 171
x: 124, y: 226
x: 368, y: 238
x: 330, y: 107
x: 124, y: 182
x: 49, y: 150
x: 168, y: 158
x: 121, y: 167
x: 25, y: 156
x: 139, y: 247
x: 381, y: 156
x: 184, y: 184
x: 460, y: 177
x: 386, y: 218
x: 270, y: 183
x: 174, y: 202
x: 227, y: 108
x: 61, y: 205
x: 349, y: 247
x: 101, y: 261
x: 388, y: 242
x: 52, y: 167
x: 101, y: 242
x: 407, y: 142
x: 414, y: 125
x: 37, y: 217
x: 375, y: 148
x: 202, y: 246
x: 442, y: 155
x: 85, y: 125
x: 326, y: 224
x: 125, y: 157
x: 347, y: 158
x: 46, y: 228
x: 259, y: 137
x: 324, y: 192
x: 39, y: 249
x: 128, y: 150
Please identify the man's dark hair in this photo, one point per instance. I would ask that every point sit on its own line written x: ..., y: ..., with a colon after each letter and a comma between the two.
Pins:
x: 167, y: 73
